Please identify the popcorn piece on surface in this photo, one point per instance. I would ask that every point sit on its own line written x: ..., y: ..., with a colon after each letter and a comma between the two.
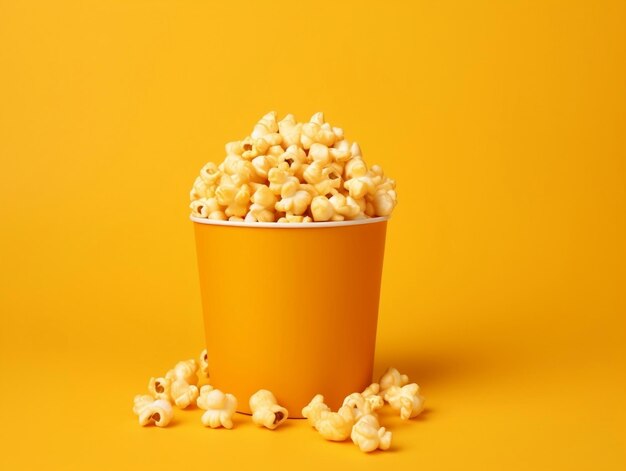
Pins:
x: 203, y: 362
x: 184, y: 378
x: 406, y: 399
x: 186, y: 370
x: 314, y: 409
x: 266, y: 411
x: 371, y: 390
x: 372, y: 396
x: 392, y: 377
x: 368, y: 435
x: 149, y: 410
x: 360, y: 406
x: 219, y: 407
x: 183, y: 394
x: 336, y: 426
x: 160, y: 388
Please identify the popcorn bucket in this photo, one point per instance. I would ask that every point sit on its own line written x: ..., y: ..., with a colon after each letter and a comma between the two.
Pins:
x: 290, y: 307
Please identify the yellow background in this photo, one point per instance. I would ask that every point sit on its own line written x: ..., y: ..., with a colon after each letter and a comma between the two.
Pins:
x: 504, y: 284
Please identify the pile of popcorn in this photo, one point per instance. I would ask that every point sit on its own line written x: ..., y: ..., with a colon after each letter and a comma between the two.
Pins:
x: 356, y: 419
x: 286, y: 171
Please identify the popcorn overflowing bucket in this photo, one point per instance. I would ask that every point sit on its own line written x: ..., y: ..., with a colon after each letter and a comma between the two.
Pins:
x: 291, y: 308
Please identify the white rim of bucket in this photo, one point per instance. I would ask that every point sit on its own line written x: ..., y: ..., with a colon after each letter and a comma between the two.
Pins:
x: 289, y: 225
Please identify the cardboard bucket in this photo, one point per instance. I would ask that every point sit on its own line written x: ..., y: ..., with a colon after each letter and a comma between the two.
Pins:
x: 291, y: 308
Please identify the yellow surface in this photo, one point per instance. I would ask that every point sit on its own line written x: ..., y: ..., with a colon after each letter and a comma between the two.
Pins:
x: 504, y: 283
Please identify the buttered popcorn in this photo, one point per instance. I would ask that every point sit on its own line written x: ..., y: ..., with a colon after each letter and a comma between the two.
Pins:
x: 150, y: 410
x: 334, y: 426
x: 392, y: 377
x: 286, y: 171
x: 357, y: 418
x: 183, y: 383
x: 219, y: 407
x: 406, y: 399
x: 266, y: 411
x: 368, y: 435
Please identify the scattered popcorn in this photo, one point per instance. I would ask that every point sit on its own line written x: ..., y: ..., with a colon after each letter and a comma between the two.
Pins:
x: 336, y: 426
x: 186, y: 370
x: 368, y: 435
x: 266, y: 411
x: 360, y: 406
x: 183, y: 379
x: 372, y: 396
x: 149, y: 410
x: 356, y: 418
x: 219, y: 407
x: 314, y: 409
x: 406, y: 399
x: 160, y: 388
x: 392, y: 377
x: 183, y: 394
x: 314, y: 173
x: 372, y: 390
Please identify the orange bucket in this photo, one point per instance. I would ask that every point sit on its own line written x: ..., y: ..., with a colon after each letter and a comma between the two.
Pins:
x: 291, y: 308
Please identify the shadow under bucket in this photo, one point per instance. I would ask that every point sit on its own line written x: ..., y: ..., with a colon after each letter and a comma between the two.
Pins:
x: 291, y: 308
